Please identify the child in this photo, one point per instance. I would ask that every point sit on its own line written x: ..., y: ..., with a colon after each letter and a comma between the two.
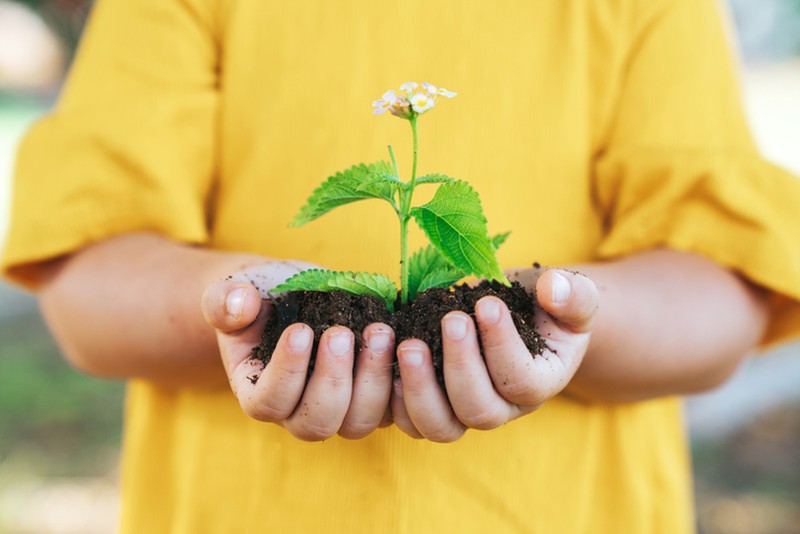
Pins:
x: 606, y: 135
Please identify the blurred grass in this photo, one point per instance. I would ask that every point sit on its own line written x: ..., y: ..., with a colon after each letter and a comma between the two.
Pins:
x: 53, y: 419
x: 749, y: 482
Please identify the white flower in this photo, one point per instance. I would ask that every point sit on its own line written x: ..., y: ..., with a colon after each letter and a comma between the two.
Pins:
x: 410, y: 100
x: 408, y: 87
x: 385, y: 103
x: 421, y: 102
x: 438, y: 91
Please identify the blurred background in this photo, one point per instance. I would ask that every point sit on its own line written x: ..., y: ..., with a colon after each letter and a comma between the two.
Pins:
x: 60, y: 431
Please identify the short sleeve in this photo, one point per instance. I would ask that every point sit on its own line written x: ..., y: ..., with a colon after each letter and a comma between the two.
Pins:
x: 130, y: 145
x: 680, y: 170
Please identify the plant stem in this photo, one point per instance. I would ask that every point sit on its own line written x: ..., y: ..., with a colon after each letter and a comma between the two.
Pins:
x: 413, y: 121
x: 405, y: 216
x: 404, y: 259
x: 394, y: 161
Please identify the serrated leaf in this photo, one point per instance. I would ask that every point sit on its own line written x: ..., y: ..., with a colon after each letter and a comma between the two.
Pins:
x: 345, y: 187
x: 440, y: 278
x: 377, y: 178
x: 386, y: 184
x: 429, y: 268
x: 434, y: 179
x: 423, y: 262
x: 499, y: 239
x: 454, y: 222
x: 358, y: 283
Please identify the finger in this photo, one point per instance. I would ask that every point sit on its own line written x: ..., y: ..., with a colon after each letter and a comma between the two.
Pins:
x: 372, y: 384
x: 400, y: 415
x: 424, y: 400
x: 507, y: 357
x: 272, y: 394
x: 322, y: 409
x: 230, y: 306
x: 469, y: 386
x: 236, y: 347
x: 571, y: 298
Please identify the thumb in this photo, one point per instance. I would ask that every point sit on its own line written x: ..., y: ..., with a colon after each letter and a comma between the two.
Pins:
x: 229, y: 305
x: 570, y: 298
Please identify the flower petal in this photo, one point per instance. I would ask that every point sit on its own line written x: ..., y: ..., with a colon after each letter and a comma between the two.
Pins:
x: 408, y: 87
x: 421, y: 102
x: 380, y: 107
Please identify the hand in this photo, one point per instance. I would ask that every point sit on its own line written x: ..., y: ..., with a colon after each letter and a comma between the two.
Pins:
x: 509, y: 383
x: 334, y: 399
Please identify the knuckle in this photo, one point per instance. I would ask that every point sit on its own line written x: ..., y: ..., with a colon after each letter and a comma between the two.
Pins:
x: 500, y: 338
x: 280, y: 384
x: 335, y: 382
x: 291, y: 374
x: 445, y: 435
x: 457, y: 363
x: 405, y: 424
x: 356, y: 430
x: 374, y: 367
x: 499, y: 344
x: 521, y: 391
x: 484, y: 419
x: 263, y: 410
x: 309, y: 430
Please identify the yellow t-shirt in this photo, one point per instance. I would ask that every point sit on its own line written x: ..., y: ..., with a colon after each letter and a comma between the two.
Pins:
x: 591, y: 129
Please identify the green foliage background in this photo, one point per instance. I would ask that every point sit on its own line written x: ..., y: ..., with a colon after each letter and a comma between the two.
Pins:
x: 58, y: 421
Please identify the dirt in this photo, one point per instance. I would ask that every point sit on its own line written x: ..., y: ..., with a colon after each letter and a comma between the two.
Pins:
x: 421, y: 319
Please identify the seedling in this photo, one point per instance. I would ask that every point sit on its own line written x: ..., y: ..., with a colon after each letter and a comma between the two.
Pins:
x: 453, y: 220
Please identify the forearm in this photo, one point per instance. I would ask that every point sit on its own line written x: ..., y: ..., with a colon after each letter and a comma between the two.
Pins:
x: 667, y: 323
x: 130, y: 307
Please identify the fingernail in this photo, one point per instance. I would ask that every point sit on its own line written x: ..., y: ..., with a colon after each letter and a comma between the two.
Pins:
x: 412, y: 356
x: 561, y: 288
x: 234, y: 302
x: 299, y: 339
x: 489, y: 311
x: 339, y: 343
x: 455, y: 327
x: 379, y: 341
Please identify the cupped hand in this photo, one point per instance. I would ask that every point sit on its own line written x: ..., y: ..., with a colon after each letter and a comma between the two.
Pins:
x: 336, y: 399
x: 487, y: 393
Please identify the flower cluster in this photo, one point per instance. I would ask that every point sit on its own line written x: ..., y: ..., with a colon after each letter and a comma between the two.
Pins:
x: 410, y: 100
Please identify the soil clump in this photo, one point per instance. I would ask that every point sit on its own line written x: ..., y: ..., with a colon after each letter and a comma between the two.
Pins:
x: 420, y: 319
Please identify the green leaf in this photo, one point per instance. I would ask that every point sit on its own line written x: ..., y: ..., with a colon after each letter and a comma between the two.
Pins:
x: 356, y: 183
x: 434, y: 179
x: 499, y: 239
x: 429, y: 268
x: 380, y: 178
x: 358, y: 283
x: 454, y: 222
x: 387, y: 185
x: 423, y: 264
x: 441, y: 278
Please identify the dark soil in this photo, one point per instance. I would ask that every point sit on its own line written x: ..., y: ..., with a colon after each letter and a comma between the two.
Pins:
x: 421, y: 319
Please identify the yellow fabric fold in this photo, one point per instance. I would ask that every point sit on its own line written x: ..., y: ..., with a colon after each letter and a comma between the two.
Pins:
x: 131, y: 146
x: 727, y: 205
